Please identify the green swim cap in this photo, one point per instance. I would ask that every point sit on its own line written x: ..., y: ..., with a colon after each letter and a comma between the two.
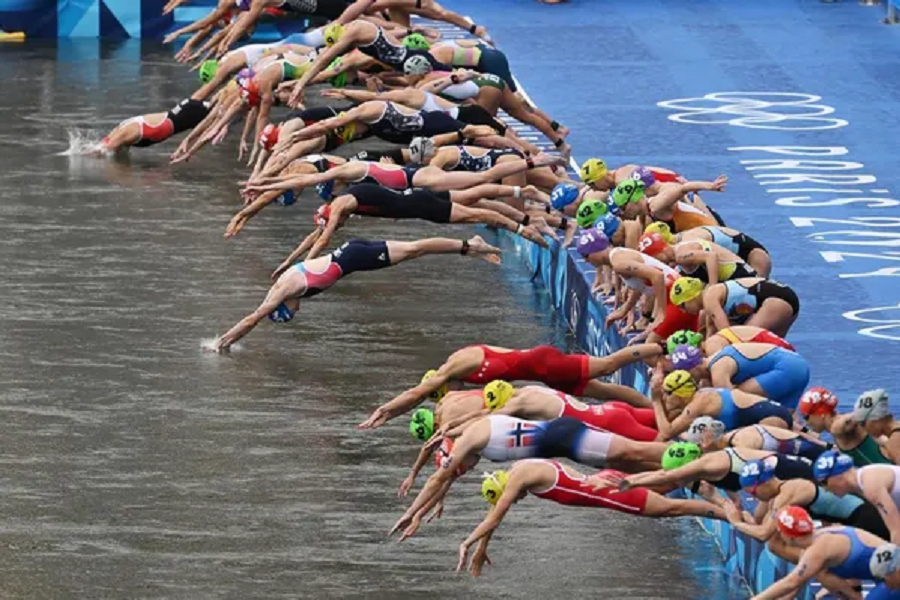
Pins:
x: 339, y: 80
x: 589, y: 211
x: 683, y: 337
x: 630, y: 190
x: 680, y: 454
x: 208, y: 70
x: 416, y: 41
x: 421, y: 426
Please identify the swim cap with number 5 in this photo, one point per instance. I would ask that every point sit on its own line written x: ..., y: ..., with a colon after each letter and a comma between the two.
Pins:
x: 592, y: 241
x: 679, y: 454
x: 685, y: 289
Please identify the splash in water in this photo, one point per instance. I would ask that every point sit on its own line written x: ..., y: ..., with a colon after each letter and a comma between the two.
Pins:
x: 84, y: 143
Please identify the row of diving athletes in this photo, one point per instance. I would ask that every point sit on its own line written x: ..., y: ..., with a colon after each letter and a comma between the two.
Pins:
x: 654, y: 242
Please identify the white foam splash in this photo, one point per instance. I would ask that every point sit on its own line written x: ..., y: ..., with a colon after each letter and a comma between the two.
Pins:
x: 84, y: 143
x: 209, y: 345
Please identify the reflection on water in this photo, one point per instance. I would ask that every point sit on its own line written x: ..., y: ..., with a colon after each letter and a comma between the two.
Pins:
x: 135, y: 464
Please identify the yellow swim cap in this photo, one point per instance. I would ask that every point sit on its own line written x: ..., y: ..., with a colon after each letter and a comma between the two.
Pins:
x: 438, y: 394
x: 493, y: 484
x: 346, y: 132
x: 592, y: 170
x: 684, y: 289
x: 497, y: 393
x: 680, y: 383
x: 333, y: 33
x: 662, y: 229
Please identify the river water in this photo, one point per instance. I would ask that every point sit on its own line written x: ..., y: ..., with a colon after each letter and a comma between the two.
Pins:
x: 134, y: 464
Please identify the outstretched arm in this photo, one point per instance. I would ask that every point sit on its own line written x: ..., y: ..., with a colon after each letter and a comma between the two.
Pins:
x: 277, y: 294
x: 811, y: 562
x: 412, y: 397
x: 242, y: 24
x: 673, y: 192
x: 298, y: 252
x: 486, y: 528
x: 248, y: 212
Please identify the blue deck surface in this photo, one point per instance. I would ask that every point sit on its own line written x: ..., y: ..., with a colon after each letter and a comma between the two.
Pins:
x: 602, y: 68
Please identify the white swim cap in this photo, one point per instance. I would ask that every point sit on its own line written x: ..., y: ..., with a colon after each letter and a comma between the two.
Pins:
x: 417, y: 65
x: 701, y: 425
x: 885, y: 560
x: 421, y: 149
x: 871, y: 405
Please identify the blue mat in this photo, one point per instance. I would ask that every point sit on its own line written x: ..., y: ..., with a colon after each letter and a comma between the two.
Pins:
x: 696, y: 86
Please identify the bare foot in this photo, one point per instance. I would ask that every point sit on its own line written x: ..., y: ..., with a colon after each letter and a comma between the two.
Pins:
x: 563, y: 131
x: 532, y: 234
x: 548, y: 160
x: 478, y: 248
x: 541, y: 225
x: 571, y: 228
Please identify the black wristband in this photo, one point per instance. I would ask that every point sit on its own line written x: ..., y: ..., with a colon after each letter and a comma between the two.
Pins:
x: 559, y: 142
x: 554, y: 125
x: 529, y: 162
x: 696, y: 487
x: 804, y: 429
x: 454, y: 78
x: 526, y: 220
x: 460, y: 138
x: 473, y: 28
x: 547, y: 207
x: 564, y: 224
x: 465, y: 248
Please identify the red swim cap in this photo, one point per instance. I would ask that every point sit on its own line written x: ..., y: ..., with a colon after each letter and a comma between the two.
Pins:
x: 652, y: 244
x: 817, y: 401
x: 269, y: 136
x: 794, y: 522
x: 250, y: 92
x: 323, y: 213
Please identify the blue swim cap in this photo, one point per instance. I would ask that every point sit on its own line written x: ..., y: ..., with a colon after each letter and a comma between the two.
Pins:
x: 325, y: 190
x: 563, y: 194
x: 609, y: 223
x: 282, y: 314
x: 287, y: 198
x: 614, y: 209
x: 831, y: 464
x: 757, y: 472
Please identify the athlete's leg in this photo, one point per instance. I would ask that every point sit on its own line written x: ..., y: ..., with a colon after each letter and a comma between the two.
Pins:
x: 663, y: 507
x: 761, y: 262
x: 475, y: 247
x: 281, y: 160
x: 124, y: 135
x: 645, y: 416
x: 613, y: 391
x: 465, y: 214
x: 490, y: 98
x: 624, y: 424
x: 622, y: 449
x: 776, y: 315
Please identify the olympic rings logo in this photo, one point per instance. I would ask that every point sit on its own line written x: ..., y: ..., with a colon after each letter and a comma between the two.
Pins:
x: 756, y: 110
